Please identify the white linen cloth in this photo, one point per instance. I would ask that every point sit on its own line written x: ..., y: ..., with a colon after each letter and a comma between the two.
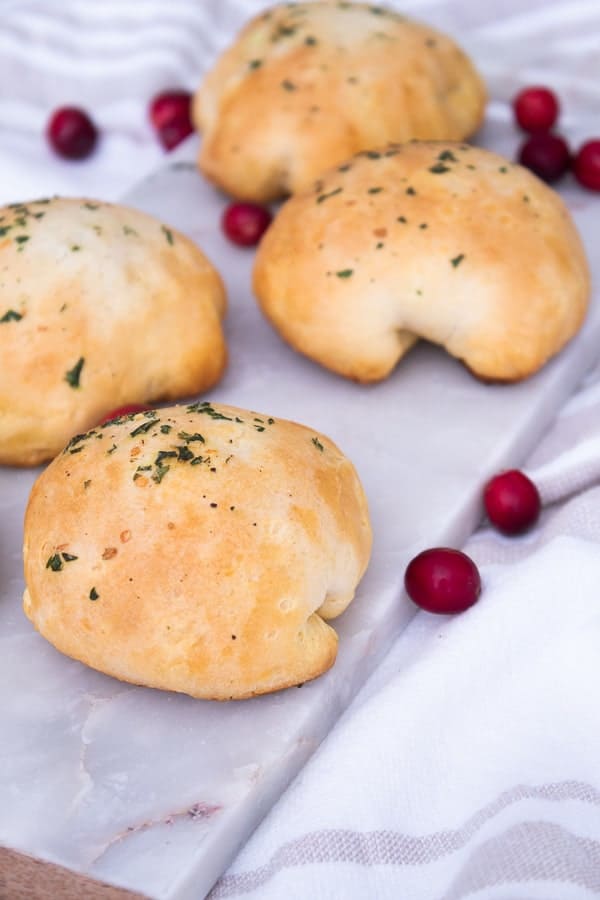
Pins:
x: 469, y: 764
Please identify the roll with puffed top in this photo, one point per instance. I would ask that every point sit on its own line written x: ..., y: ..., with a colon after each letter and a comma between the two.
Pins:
x: 196, y: 548
x: 306, y: 85
x: 430, y: 240
x: 100, y: 306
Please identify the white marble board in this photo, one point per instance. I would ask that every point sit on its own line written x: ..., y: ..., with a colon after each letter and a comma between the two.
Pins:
x: 153, y: 791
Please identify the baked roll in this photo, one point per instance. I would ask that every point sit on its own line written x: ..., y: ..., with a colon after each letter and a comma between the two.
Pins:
x: 100, y: 306
x: 440, y: 241
x: 306, y: 85
x: 198, y: 549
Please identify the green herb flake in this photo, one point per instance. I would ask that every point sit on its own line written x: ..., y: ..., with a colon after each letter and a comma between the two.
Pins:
x: 423, y: 225
x: 402, y: 219
x: 457, y: 260
x: 11, y: 316
x: 187, y: 437
x: 111, y: 450
x: 372, y: 154
x: 525, y: 198
x: 75, y: 248
x: 21, y: 239
x: 72, y: 377
x: 322, y: 197
x: 270, y: 421
x: 439, y: 168
x: 168, y: 234
x: 165, y: 429
x: 447, y: 156
x: 345, y: 273
x: 310, y: 41
x: 143, y: 428
x: 410, y: 191
x: 4, y: 230
x: 375, y: 190
x: 206, y: 409
x: 160, y: 473
x: 87, y: 483
x: 344, y: 168
x: 503, y: 169
x: 94, y: 595
x: 54, y: 563
x: 288, y: 85
x: 379, y: 245
x: 92, y: 206
x: 318, y: 444
x: 128, y: 231
x: 184, y: 453
x: 255, y: 64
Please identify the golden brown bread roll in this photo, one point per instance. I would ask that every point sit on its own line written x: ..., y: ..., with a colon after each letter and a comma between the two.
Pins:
x: 197, y: 549
x: 306, y: 85
x: 435, y: 240
x: 100, y: 305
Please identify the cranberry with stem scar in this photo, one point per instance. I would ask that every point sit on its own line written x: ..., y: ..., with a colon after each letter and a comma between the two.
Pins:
x: 442, y: 580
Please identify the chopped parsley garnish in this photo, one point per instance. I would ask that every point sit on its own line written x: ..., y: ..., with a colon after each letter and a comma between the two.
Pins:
x: 91, y: 206
x: 165, y: 429
x: 255, y: 63
x: 318, y: 444
x: 288, y: 85
x: 21, y: 239
x: 143, y: 428
x: 447, y: 156
x: 402, y: 219
x: 185, y: 436
x: 94, y: 594
x: 323, y: 197
x: 11, y: 316
x: 410, y: 191
x: 168, y: 234
x: 310, y: 41
x: 439, y: 168
x: 457, y: 260
x: 55, y: 562
x: 208, y: 410
x: 374, y: 190
x: 72, y: 377
x: 345, y: 273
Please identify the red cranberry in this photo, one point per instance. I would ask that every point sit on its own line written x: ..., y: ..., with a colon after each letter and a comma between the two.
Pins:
x: 545, y: 154
x: 71, y: 132
x: 512, y: 502
x: 124, y: 411
x: 587, y: 165
x: 441, y: 580
x: 245, y: 223
x: 170, y: 106
x: 172, y: 135
x: 536, y: 109
x: 170, y: 113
